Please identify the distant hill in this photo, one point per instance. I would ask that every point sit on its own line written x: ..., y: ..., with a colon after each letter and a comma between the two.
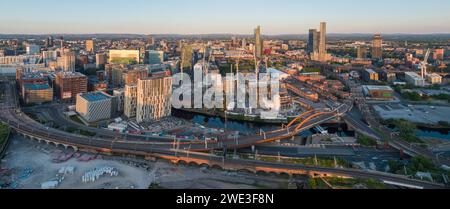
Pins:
x: 392, y: 37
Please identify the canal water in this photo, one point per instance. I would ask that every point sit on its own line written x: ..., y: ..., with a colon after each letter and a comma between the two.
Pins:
x: 251, y: 127
x: 434, y: 133
x: 438, y: 133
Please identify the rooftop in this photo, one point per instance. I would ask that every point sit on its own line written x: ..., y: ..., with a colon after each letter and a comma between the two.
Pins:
x: 95, y: 96
x: 434, y: 75
x: 36, y: 86
x: 413, y: 75
x: 386, y: 88
x: 370, y: 71
x: 71, y: 74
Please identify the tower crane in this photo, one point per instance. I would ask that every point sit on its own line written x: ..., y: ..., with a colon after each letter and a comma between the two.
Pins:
x: 423, y: 65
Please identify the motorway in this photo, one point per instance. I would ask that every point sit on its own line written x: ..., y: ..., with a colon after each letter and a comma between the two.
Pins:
x: 24, y: 125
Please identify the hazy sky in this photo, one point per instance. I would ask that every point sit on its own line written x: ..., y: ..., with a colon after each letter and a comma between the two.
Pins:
x: 223, y: 16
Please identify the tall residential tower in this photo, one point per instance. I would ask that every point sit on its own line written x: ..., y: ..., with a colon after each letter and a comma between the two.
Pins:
x: 377, y: 51
x: 258, y: 43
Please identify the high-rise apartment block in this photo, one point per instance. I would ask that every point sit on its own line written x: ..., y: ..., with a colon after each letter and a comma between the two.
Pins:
x: 154, y: 98
x: 132, y: 76
x: 130, y: 101
x: 361, y: 52
x: 67, y: 61
x: 258, y: 43
x: 187, y: 54
x: 377, y: 50
x: 90, y: 47
x: 321, y: 55
x: 313, y: 41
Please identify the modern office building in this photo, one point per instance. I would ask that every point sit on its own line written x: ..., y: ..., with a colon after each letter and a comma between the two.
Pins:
x: 258, y: 43
x: 370, y: 75
x: 414, y: 79
x: 37, y: 93
x: 100, y: 60
x: 155, y: 57
x: 69, y: 84
x: 67, y: 61
x: 33, y: 49
x: 94, y: 106
x: 124, y: 56
x: 377, y: 50
x: 48, y: 56
x: 49, y: 42
x: 90, y: 46
x: 154, y: 98
x: 115, y: 74
x: 130, y: 101
x: 434, y: 78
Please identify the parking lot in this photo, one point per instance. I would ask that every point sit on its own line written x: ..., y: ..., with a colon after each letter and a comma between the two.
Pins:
x: 414, y: 113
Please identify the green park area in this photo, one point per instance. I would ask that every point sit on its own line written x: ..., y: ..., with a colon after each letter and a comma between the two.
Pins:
x: 123, y: 60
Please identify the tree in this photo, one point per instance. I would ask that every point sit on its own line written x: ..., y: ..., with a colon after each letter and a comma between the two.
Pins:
x: 407, y: 130
x: 421, y: 164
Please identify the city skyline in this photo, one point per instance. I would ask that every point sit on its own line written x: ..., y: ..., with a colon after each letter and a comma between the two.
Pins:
x: 235, y: 17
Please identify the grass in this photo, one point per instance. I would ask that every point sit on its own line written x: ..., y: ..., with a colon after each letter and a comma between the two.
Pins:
x: 76, y: 119
x: 4, y: 132
x: 316, y: 183
x: 349, y: 183
x: 80, y: 131
x: 87, y: 133
x: 366, y: 141
x: 324, y: 162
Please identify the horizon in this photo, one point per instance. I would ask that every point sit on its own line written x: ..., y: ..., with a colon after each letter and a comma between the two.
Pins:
x: 207, y: 17
x: 203, y: 34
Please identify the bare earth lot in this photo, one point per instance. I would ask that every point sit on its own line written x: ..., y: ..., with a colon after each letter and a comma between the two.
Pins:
x: 28, y: 164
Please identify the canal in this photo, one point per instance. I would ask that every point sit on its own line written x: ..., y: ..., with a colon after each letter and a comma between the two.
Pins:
x: 248, y: 128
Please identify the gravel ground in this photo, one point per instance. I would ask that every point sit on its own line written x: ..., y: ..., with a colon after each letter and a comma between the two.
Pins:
x: 23, y: 155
